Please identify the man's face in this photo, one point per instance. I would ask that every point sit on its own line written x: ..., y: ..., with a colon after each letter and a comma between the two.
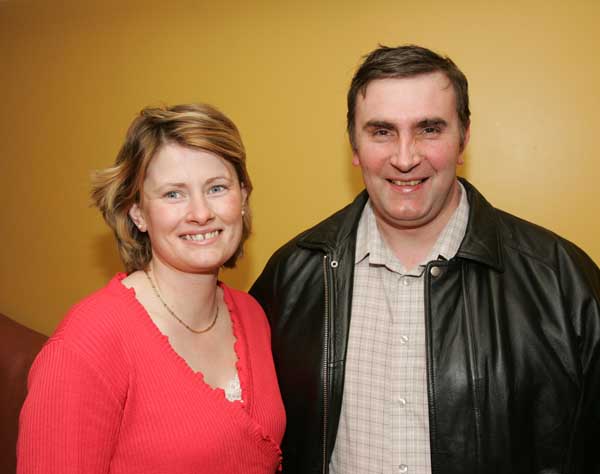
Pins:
x: 408, y: 145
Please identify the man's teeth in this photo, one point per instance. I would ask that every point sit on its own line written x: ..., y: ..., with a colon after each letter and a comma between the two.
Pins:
x: 414, y: 182
x: 208, y: 235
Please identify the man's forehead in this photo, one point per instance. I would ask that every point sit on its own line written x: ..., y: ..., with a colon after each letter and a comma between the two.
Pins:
x: 431, y: 94
x: 437, y: 80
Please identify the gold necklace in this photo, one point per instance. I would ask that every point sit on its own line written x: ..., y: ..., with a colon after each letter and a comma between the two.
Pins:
x: 181, y: 321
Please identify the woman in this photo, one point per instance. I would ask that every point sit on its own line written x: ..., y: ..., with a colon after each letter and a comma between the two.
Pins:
x: 166, y: 369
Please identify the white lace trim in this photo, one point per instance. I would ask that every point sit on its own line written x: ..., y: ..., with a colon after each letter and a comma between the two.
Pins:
x: 233, y: 389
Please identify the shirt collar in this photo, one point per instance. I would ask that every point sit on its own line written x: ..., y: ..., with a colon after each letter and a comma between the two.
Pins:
x: 448, y: 242
x: 370, y: 244
x: 363, y: 235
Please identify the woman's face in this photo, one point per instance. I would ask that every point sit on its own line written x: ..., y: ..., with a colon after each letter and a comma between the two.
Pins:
x: 191, y: 206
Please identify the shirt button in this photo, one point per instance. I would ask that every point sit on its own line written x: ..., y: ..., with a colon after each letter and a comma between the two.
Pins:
x: 403, y: 339
x: 402, y: 401
x: 405, y: 281
x: 402, y: 468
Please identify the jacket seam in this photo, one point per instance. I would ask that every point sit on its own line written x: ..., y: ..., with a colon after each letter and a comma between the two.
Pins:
x: 524, y: 253
x: 473, y: 366
x: 568, y: 462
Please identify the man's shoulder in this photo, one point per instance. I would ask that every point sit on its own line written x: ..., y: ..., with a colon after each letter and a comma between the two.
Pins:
x: 533, y: 241
x: 497, y: 235
x: 300, y: 258
x: 327, y: 234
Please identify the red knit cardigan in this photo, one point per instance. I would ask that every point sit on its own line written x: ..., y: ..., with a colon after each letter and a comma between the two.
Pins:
x: 108, y: 394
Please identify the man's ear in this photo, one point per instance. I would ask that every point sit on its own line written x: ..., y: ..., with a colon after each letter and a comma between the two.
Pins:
x: 464, y: 144
x: 137, y: 217
x: 355, y: 158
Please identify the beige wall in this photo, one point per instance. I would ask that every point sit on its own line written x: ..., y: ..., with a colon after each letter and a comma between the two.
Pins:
x: 72, y: 76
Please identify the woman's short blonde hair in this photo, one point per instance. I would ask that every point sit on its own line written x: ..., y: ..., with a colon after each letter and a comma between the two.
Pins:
x: 116, y: 189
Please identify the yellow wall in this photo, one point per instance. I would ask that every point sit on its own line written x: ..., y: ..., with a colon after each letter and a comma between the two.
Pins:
x: 73, y: 75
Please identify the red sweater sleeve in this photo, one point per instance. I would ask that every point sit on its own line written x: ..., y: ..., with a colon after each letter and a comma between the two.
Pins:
x: 70, y: 420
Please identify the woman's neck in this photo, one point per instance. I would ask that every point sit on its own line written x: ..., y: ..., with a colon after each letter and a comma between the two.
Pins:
x: 191, y: 295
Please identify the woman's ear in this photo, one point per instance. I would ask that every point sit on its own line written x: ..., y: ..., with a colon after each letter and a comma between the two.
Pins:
x: 244, y: 195
x: 137, y: 217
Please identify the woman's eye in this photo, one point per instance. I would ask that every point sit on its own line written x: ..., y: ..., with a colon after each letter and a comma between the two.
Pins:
x: 172, y: 194
x: 217, y: 188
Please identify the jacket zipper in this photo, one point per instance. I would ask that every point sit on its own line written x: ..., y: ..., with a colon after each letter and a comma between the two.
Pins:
x: 325, y: 469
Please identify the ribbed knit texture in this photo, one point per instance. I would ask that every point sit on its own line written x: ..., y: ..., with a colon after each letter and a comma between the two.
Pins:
x: 108, y: 394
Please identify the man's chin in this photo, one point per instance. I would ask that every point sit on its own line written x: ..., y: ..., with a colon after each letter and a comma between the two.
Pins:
x: 406, y: 220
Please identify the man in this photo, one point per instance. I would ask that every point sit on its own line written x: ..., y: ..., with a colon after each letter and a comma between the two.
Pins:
x: 419, y: 329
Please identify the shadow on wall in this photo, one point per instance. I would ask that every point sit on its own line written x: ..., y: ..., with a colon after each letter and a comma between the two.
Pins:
x: 241, y: 276
x: 106, y: 255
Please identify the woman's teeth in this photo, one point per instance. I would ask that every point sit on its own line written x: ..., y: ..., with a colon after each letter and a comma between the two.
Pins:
x: 199, y: 237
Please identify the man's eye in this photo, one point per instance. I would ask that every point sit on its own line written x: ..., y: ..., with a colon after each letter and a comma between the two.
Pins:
x: 382, y: 132
x: 217, y: 188
x: 431, y: 130
x: 172, y: 194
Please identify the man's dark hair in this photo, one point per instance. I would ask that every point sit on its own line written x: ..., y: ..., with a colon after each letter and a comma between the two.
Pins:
x: 407, y: 61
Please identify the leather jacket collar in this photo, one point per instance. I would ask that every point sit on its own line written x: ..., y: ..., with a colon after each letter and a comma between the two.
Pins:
x: 482, y: 242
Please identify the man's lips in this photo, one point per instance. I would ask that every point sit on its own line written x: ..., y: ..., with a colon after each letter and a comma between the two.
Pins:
x: 404, y: 182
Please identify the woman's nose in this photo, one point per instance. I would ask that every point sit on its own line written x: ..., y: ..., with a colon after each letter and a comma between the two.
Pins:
x: 200, y: 210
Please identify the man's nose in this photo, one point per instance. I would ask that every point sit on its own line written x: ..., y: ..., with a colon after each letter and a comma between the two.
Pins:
x: 405, y: 155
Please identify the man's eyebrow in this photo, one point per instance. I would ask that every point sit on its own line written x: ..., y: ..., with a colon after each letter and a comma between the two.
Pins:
x: 432, y: 122
x: 380, y: 124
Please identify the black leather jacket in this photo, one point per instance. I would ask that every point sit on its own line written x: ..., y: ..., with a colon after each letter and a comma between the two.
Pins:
x: 512, y: 334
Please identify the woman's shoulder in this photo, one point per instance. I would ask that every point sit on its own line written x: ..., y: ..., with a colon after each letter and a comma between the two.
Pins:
x: 92, y: 339
x: 104, y: 314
